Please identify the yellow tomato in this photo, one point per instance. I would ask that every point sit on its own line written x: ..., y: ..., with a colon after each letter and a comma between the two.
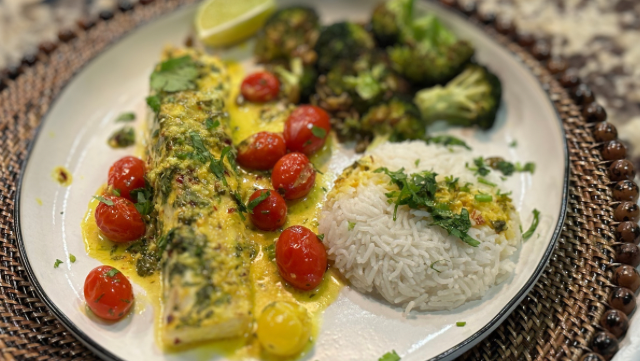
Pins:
x: 284, y: 328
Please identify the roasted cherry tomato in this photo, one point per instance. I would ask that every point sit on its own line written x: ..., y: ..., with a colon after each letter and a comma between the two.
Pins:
x: 261, y: 151
x: 108, y: 293
x: 119, y: 220
x: 271, y: 211
x: 126, y: 175
x: 301, y: 257
x: 306, y: 129
x: 260, y: 87
x: 293, y: 176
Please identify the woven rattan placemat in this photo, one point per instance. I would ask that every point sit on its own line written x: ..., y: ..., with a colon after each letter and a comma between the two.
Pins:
x: 560, y: 317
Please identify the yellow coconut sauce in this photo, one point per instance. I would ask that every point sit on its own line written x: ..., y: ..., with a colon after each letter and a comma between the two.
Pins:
x: 267, y: 284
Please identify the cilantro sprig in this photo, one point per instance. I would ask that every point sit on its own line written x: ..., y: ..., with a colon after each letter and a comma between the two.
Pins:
x: 534, y: 224
x: 390, y: 356
x: 254, y: 203
x: 175, y: 74
x: 447, y: 140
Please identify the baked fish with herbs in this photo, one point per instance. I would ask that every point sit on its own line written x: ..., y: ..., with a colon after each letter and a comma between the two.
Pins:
x: 201, y: 243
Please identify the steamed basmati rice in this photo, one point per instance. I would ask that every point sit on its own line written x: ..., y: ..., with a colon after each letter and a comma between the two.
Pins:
x: 408, y: 261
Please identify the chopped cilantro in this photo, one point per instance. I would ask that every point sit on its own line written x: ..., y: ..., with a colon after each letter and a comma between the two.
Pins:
x: 112, y: 272
x: 125, y: 301
x: 211, y: 124
x: 57, y: 264
x: 321, y: 237
x: 480, y: 167
x: 513, y: 144
x: 153, y: 102
x: 254, y: 203
x: 318, y: 132
x: 200, y: 152
x: 115, y: 192
x: 104, y: 200
x: 122, y: 138
x: 434, y: 263
x: 527, y: 167
x: 483, y: 197
x: 447, y: 140
x: 417, y: 162
x: 270, y: 251
x: 126, y: 117
x: 534, y: 224
x: 217, y: 165
x: 390, y: 356
x: 241, y: 207
x: 461, y: 324
x: 485, y: 181
x: 351, y: 225
x: 99, y: 297
x: 452, y: 183
x: 143, y: 199
x: 499, y: 225
x: 174, y: 75
x: 72, y: 258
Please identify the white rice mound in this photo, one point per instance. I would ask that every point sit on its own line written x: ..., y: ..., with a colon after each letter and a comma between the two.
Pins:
x: 396, y: 258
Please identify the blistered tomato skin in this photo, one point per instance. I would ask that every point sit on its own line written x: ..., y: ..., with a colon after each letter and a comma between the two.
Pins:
x: 127, y: 174
x: 260, y: 87
x: 108, y: 293
x: 293, y: 176
x: 271, y: 213
x: 284, y: 328
x: 120, y: 222
x: 306, y: 129
x: 261, y: 151
x: 301, y: 257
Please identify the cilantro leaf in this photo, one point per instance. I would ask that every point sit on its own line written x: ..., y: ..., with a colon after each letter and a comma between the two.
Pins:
x: 270, y: 251
x: 528, y: 167
x: 153, y: 102
x: 254, y: 203
x: 461, y: 324
x: 115, y: 192
x: 447, y: 140
x: 485, y: 181
x: 211, y: 124
x: 241, y: 207
x: 143, y: 199
x: 57, y: 263
x: 318, y: 132
x: 480, y: 167
x: 455, y: 224
x: 534, y: 224
x: 176, y: 74
x: 122, y: 138
x: 390, y: 356
x: 126, y: 117
x: 321, y: 237
x: 72, y: 258
x: 217, y: 165
x: 200, y: 153
x: 351, y: 225
x: 112, y: 272
x: 104, y: 200
x: 513, y: 144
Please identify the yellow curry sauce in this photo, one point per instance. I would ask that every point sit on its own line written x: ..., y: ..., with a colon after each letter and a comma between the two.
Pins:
x: 267, y: 286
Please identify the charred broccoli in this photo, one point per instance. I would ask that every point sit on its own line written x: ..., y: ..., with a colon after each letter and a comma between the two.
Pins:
x: 471, y: 98
x: 298, y: 82
x: 341, y: 41
x: 398, y: 118
x: 389, y: 19
x: 430, y: 54
x: 289, y: 33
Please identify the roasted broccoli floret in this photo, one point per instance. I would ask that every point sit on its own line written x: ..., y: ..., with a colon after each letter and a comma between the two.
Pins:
x: 389, y: 20
x: 289, y: 33
x: 298, y: 82
x: 398, y: 118
x: 471, y: 98
x: 430, y: 53
x: 341, y: 41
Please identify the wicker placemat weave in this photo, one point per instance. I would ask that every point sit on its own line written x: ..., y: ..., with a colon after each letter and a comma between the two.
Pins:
x: 556, y: 321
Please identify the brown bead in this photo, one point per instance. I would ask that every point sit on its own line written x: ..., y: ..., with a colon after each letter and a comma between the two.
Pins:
x: 627, y: 276
x: 541, y: 50
x: 626, y: 211
x: 592, y: 357
x: 621, y: 169
x: 582, y: 94
x: 628, y: 253
x: 570, y: 78
x: 614, y: 150
x: 505, y: 27
x: 628, y: 232
x: 86, y: 23
x: 450, y: 3
x: 526, y: 39
x: 615, y: 322
x: 626, y: 190
x: 12, y: 72
x: 468, y: 8
x: 605, y: 344
x: 146, y: 2
x: 125, y: 5
x: 605, y: 132
x: 106, y: 15
x: 66, y: 35
x: 29, y: 59
x: 47, y: 47
x: 487, y: 17
x: 623, y: 299
x: 594, y: 113
x: 556, y: 65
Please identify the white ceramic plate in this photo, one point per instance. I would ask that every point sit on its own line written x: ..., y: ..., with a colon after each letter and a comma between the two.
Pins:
x: 356, y: 327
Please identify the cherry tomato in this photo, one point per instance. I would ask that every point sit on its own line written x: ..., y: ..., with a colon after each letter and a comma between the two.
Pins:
x: 301, y: 257
x: 120, y: 222
x: 260, y: 87
x: 306, y: 129
x: 127, y: 174
x: 108, y: 293
x: 271, y: 213
x: 293, y: 176
x: 261, y: 151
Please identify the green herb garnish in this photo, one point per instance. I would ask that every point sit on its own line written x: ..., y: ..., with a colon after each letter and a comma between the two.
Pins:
x: 211, y: 124
x: 461, y: 324
x: 321, y: 237
x: 481, y: 197
x: 513, y: 144
x: 485, y: 181
x: 115, y: 192
x: 217, y: 165
x: 241, y: 207
x: 318, y: 132
x: 122, y: 138
x: 350, y: 225
x: 143, y: 198
x: 201, y: 153
x: 153, y: 102
x: 480, y: 167
x: 527, y: 167
x: 112, y: 272
x: 390, y: 356
x: 447, y: 140
x: 174, y: 75
x: 534, y: 224
x: 254, y: 203
x: 57, y: 263
x: 72, y: 258
x: 126, y: 117
x: 417, y: 162
x: 434, y: 263
x: 104, y: 200
x: 270, y: 251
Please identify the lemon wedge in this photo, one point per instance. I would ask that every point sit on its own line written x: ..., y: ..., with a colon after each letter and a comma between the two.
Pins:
x: 222, y: 23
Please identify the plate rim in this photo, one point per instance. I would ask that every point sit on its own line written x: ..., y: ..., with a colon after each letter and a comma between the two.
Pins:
x: 455, y: 350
